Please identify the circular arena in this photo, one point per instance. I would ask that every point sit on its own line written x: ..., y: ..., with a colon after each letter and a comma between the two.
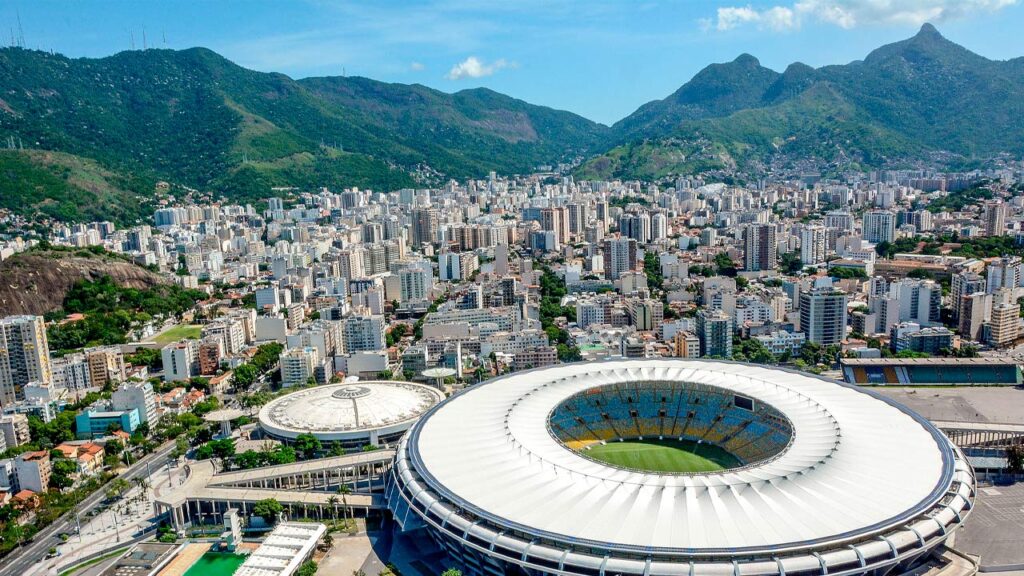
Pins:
x: 353, y: 414
x: 678, y: 467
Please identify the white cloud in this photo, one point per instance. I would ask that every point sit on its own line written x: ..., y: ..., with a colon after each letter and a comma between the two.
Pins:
x: 416, y: 66
x: 851, y: 13
x: 473, y: 67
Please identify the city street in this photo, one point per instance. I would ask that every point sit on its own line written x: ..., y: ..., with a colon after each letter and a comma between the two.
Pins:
x: 29, y: 559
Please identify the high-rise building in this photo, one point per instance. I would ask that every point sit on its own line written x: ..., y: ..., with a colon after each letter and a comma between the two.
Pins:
x: 424, y: 226
x: 962, y: 284
x: 823, y: 315
x: 106, y: 364
x: 24, y: 356
x: 138, y: 395
x: 636, y: 226
x: 760, y: 247
x: 994, y: 218
x: 879, y: 226
x: 1006, y: 272
x: 1004, y: 324
x: 415, y: 283
x: 714, y: 329
x: 181, y: 360
x: 975, y: 310
x: 686, y: 345
x: 298, y: 365
x: 363, y: 333
x: 619, y: 256
x: 812, y: 245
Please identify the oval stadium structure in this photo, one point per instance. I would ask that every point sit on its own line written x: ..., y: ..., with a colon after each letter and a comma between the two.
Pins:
x: 352, y: 413
x: 769, y: 472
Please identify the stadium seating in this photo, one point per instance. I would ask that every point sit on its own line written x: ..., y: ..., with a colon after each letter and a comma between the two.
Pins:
x: 682, y: 410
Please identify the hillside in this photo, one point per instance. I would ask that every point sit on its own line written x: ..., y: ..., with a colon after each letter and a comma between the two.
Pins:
x: 69, y: 188
x: 197, y: 119
x: 904, y: 101
x: 36, y: 282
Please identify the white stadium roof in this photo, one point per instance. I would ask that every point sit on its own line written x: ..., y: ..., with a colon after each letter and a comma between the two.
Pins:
x: 341, y: 410
x: 859, y: 467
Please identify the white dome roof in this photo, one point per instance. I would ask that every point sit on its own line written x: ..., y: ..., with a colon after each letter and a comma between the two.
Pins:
x: 338, y: 411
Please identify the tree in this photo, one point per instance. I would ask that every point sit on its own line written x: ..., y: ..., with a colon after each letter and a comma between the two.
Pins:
x: 117, y: 487
x: 180, y: 447
x: 268, y: 509
x: 333, y: 503
x: 344, y: 491
x: 63, y: 471
x: 1015, y: 459
x: 452, y: 572
x: 307, y: 445
x: 244, y: 375
x: 307, y: 569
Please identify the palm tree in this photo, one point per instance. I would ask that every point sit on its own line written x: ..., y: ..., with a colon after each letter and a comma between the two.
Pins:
x: 344, y: 491
x: 333, y: 503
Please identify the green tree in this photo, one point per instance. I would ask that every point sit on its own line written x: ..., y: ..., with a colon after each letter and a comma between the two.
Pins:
x: 307, y: 445
x: 268, y: 509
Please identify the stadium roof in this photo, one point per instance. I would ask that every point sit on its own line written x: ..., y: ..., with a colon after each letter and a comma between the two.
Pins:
x: 341, y: 409
x: 859, y: 466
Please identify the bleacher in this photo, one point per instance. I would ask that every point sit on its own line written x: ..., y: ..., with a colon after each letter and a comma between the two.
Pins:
x: 680, y: 410
x: 985, y: 371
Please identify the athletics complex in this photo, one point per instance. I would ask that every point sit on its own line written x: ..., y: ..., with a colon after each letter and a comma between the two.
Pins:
x: 678, y: 467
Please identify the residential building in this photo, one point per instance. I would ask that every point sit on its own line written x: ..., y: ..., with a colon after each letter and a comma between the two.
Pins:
x: 686, y: 345
x: 813, y: 247
x: 363, y: 334
x: 994, y: 218
x: 298, y: 366
x: 760, y: 248
x: 24, y: 356
x: 33, y: 469
x: 137, y: 395
x: 535, y: 358
x: 1004, y: 324
x: 911, y: 336
x: 619, y: 256
x: 879, y: 226
x: 823, y: 315
x: 106, y: 364
x: 15, y: 430
x: 715, y: 328
x: 181, y: 360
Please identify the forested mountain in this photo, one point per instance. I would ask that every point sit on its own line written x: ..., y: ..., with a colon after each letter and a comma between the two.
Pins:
x: 903, y: 101
x: 106, y: 129
x: 197, y: 119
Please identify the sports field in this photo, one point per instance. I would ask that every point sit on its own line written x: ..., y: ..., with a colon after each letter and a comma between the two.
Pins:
x: 664, y: 456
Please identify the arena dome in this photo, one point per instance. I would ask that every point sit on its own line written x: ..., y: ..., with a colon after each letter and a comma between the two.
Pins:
x: 357, y: 413
x: 816, y: 476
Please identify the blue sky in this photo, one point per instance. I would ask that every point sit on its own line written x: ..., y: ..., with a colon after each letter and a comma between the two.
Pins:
x: 601, y: 59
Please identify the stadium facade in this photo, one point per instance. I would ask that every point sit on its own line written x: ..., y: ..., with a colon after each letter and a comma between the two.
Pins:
x: 830, y: 479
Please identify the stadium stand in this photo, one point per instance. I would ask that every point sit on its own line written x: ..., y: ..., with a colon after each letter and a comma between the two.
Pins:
x: 679, y: 410
x: 931, y: 371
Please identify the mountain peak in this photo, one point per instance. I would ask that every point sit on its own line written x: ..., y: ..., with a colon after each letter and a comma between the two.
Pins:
x: 747, y: 60
x: 928, y: 31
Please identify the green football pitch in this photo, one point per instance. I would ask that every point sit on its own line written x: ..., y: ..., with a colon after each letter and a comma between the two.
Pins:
x: 663, y: 456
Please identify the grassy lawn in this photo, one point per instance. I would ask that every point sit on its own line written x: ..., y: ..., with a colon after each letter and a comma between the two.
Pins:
x: 177, y: 333
x: 663, y: 456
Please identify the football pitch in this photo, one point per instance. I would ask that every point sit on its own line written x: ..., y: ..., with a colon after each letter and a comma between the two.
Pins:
x: 673, y: 456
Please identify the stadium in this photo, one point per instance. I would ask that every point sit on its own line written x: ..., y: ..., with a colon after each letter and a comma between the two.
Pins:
x: 678, y: 467
x: 351, y: 414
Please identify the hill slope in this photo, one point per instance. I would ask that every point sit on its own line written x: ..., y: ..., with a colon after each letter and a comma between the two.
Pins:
x: 197, y: 119
x: 903, y: 101
x: 36, y: 282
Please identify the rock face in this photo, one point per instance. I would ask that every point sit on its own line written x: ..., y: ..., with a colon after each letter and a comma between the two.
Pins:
x: 36, y: 282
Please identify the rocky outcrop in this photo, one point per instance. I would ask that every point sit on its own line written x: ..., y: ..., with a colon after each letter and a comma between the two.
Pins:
x: 36, y: 282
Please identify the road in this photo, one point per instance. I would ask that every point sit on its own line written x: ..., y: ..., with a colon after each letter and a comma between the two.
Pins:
x: 20, y: 560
